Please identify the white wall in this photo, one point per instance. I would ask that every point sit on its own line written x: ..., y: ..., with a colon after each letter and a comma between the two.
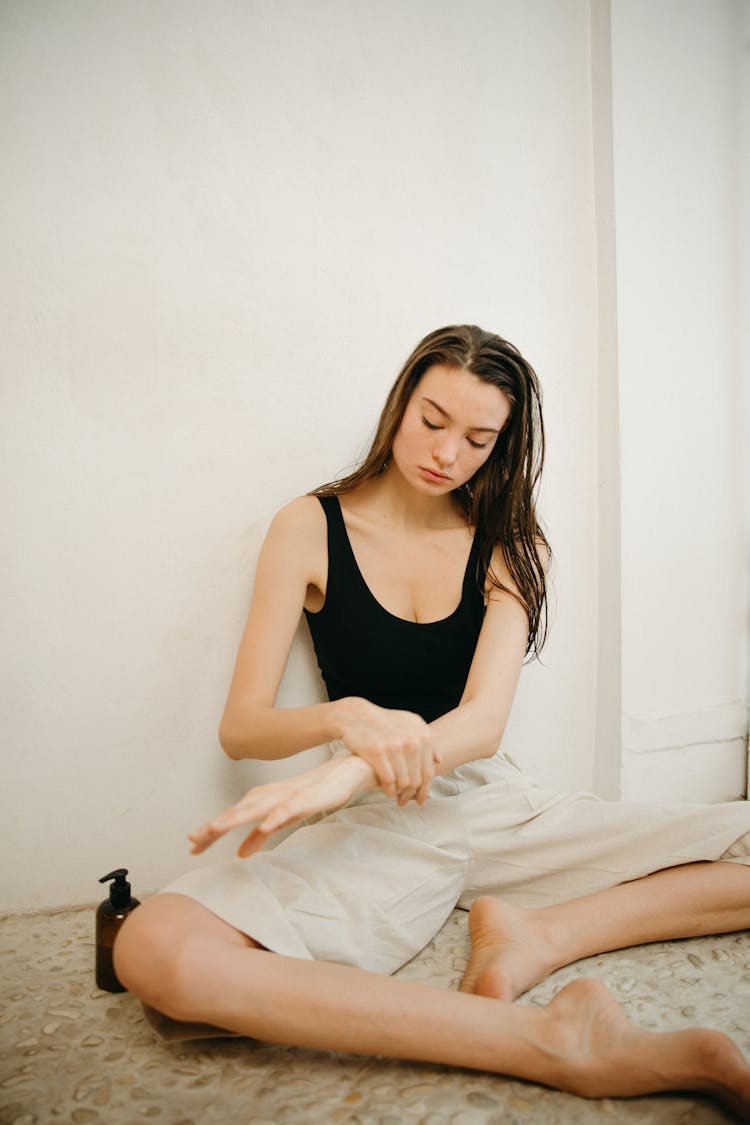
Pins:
x: 608, y: 683
x: 678, y: 145
x: 226, y: 226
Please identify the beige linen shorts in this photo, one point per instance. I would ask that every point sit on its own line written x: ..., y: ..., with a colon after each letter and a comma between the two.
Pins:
x: 371, y: 883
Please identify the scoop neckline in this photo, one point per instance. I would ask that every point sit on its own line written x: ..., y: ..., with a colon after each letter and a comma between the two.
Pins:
x: 379, y: 604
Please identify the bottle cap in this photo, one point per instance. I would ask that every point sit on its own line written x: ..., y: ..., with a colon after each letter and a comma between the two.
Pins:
x: 119, y: 892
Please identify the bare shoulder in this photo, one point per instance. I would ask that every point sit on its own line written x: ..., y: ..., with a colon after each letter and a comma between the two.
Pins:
x: 497, y: 572
x: 303, y: 516
x: 297, y: 541
x: 499, y: 569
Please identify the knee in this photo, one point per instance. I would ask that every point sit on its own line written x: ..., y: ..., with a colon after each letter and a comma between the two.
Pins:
x: 152, y: 954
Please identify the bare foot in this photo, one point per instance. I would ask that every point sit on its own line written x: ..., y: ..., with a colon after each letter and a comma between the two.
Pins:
x: 594, y: 1051
x: 510, y: 952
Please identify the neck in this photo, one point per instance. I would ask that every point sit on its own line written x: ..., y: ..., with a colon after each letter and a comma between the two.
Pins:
x: 395, y: 501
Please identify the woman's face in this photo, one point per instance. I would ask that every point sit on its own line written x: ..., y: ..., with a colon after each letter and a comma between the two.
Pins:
x: 449, y: 429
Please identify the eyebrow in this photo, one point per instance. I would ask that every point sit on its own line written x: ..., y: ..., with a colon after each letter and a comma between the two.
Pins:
x: 474, y: 429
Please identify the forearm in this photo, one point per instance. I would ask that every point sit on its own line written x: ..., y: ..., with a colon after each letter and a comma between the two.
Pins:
x: 475, y: 728
x: 269, y: 733
x: 469, y: 732
x: 266, y: 733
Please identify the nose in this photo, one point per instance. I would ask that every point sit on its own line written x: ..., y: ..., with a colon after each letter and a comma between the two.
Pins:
x: 445, y: 450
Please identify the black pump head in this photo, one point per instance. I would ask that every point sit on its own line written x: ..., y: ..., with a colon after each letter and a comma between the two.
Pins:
x: 119, y: 892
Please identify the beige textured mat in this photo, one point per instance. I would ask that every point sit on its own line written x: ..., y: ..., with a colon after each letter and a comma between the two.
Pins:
x: 71, y: 1053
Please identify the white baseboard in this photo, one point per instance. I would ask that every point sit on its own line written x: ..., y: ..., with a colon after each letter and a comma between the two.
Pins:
x: 697, y: 757
x: 725, y: 723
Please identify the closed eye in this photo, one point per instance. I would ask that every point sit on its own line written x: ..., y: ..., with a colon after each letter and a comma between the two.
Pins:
x: 437, y: 426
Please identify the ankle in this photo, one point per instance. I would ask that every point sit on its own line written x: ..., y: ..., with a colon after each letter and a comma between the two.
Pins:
x: 560, y: 939
x: 551, y: 1049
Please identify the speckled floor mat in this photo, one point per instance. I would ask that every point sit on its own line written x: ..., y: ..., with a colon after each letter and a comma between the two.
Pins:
x: 71, y: 1053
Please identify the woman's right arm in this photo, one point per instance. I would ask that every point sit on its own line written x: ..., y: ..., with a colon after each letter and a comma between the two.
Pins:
x: 293, y: 560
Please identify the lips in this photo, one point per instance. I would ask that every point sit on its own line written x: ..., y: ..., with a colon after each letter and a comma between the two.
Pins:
x: 431, y: 474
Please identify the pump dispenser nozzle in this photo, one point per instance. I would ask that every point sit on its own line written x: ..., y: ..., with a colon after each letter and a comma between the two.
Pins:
x: 119, y: 892
x: 110, y: 915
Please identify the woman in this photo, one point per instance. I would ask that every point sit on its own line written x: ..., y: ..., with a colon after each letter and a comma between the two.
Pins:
x: 422, y: 576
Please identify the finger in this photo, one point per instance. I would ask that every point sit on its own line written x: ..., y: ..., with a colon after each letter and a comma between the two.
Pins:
x: 252, y: 843
x: 401, y: 770
x: 384, y: 773
x: 415, y: 764
x: 213, y: 830
x: 280, y: 818
x: 202, y: 838
x: 405, y: 796
x: 429, y: 747
x: 282, y: 815
x: 257, y: 837
x: 291, y: 811
x: 428, y: 772
x: 252, y: 807
x: 424, y: 791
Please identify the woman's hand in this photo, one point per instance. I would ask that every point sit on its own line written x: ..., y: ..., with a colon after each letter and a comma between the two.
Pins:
x: 398, y: 745
x: 280, y: 804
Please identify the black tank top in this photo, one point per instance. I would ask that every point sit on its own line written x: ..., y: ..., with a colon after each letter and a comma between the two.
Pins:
x: 364, y: 650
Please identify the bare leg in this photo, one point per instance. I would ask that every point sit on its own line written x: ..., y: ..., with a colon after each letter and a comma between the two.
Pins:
x: 513, y: 948
x: 184, y: 961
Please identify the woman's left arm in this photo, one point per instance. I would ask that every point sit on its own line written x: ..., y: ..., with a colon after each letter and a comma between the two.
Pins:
x: 475, y: 728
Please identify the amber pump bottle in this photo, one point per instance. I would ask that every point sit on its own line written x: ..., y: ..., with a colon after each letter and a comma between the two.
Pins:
x: 110, y: 915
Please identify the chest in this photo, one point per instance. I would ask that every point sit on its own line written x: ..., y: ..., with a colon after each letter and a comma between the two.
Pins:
x: 417, y: 577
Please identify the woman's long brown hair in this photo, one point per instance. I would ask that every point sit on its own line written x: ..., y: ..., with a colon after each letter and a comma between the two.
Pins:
x: 500, y: 499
